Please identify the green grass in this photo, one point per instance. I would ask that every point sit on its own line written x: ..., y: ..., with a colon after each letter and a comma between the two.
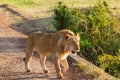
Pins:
x: 19, y: 3
x: 74, y: 3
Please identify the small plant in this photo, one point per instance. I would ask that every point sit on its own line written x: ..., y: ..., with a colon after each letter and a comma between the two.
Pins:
x: 81, y: 67
x: 110, y: 64
x: 95, y: 72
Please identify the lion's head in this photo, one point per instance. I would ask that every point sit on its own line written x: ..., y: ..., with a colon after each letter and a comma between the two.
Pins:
x: 72, y: 43
x: 68, y: 41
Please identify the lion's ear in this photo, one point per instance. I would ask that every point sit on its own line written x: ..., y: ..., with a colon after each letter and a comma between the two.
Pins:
x: 77, y: 35
x: 68, y: 36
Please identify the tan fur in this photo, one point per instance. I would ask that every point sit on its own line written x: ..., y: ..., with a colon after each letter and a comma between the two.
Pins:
x: 57, y: 45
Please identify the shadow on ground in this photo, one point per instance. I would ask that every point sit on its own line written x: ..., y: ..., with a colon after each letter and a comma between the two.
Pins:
x: 24, y: 76
x: 12, y: 44
x: 27, y: 25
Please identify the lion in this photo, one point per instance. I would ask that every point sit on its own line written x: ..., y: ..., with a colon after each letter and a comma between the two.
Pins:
x: 56, y: 45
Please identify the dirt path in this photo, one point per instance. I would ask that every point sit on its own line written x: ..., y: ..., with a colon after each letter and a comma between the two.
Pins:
x: 12, y: 51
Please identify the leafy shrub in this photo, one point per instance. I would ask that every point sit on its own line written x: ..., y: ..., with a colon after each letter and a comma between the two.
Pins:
x: 99, y: 30
x: 64, y: 18
x: 96, y: 25
x: 101, y: 25
x: 110, y: 64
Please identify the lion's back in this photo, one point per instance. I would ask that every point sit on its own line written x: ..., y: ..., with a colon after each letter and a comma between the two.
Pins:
x: 40, y: 41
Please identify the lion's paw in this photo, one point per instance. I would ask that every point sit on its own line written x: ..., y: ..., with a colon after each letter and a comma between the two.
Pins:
x: 46, y: 71
x: 63, y: 71
x: 60, y: 76
x: 28, y: 70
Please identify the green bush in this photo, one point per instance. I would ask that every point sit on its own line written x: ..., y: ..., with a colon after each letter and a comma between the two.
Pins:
x: 101, y: 25
x: 96, y: 25
x: 99, y: 29
x: 64, y: 18
x: 110, y: 64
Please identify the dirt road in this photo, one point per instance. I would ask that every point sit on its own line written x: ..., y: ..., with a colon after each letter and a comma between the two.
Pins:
x: 12, y: 51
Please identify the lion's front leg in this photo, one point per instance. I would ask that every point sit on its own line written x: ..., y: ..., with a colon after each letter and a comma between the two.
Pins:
x: 58, y: 68
x: 65, y: 65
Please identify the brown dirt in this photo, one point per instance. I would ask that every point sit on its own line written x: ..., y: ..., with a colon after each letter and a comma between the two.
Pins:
x: 12, y: 51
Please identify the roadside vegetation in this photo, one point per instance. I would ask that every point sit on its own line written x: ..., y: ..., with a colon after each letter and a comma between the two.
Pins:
x: 99, y: 30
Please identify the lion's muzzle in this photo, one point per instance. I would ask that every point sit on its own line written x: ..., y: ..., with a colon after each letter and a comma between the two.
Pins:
x: 75, y: 52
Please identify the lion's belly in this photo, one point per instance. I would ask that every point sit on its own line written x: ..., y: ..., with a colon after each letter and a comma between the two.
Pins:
x: 43, y: 49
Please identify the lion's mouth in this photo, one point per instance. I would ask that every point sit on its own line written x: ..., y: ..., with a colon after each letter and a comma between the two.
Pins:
x: 75, y: 52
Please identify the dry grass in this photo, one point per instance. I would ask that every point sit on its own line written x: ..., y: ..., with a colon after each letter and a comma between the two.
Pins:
x: 98, y: 74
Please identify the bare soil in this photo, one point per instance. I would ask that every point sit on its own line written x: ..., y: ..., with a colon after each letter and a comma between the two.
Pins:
x: 12, y: 52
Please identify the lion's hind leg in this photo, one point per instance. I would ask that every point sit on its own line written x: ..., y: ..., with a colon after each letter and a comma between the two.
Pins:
x: 42, y: 62
x: 29, y: 53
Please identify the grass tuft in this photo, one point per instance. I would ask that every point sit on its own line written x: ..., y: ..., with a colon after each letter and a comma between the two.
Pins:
x: 98, y: 74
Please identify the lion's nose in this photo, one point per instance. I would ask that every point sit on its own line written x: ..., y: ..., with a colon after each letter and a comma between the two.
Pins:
x: 77, y: 49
